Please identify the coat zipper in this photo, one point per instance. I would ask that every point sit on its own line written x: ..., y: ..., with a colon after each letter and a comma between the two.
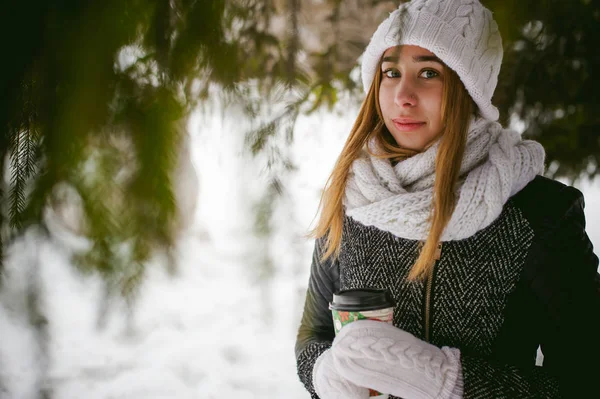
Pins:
x: 428, y: 289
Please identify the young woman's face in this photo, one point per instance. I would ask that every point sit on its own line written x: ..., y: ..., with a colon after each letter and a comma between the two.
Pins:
x: 410, y: 95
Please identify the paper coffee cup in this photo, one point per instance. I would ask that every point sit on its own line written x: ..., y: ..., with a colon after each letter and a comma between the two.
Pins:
x: 362, y: 304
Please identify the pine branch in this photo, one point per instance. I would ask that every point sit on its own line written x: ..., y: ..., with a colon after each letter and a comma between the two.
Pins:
x: 257, y: 139
x: 23, y: 167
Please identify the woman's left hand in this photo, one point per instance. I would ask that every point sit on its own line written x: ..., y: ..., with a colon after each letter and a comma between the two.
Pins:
x: 385, y: 358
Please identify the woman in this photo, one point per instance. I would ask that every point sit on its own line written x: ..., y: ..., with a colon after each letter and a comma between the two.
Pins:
x: 433, y: 200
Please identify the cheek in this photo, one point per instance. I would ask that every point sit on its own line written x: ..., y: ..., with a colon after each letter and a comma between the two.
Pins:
x: 435, y: 105
x: 384, y: 102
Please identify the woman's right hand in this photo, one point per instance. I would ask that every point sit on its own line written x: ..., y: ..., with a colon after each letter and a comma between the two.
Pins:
x: 329, y: 384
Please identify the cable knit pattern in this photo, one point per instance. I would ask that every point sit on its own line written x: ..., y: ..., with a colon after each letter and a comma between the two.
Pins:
x: 397, y: 199
x: 391, y: 360
x: 462, y: 33
x: 329, y: 384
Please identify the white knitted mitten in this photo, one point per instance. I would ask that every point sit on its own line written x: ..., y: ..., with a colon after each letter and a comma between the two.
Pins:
x: 382, y: 357
x: 329, y: 384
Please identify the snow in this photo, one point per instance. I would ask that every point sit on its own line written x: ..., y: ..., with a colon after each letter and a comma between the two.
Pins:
x: 214, y: 329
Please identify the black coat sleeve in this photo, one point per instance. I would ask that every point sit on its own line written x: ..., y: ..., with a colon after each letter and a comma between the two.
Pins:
x: 565, y: 283
x: 316, y: 328
x: 569, y: 298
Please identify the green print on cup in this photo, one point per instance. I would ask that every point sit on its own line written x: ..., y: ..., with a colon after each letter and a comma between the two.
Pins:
x: 362, y: 304
x: 341, y: 318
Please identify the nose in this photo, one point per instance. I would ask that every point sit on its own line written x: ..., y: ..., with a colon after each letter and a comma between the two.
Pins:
x: 406, y: 96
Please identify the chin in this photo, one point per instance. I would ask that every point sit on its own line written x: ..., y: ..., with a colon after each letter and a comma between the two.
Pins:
x: 411, y: 146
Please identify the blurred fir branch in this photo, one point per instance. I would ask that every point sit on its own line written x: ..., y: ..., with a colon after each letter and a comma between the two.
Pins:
x: 96, y: 93
x: 548, y: 80
x: 83, y: 73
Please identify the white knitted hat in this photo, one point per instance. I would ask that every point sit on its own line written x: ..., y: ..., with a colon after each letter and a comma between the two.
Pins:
x: 462, y: 33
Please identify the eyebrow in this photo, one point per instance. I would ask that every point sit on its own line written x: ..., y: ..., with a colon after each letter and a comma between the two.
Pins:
x: 417, y: 58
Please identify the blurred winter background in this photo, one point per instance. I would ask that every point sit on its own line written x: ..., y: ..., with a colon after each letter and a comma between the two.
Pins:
x: 266, y: 107
x: 224, y: 325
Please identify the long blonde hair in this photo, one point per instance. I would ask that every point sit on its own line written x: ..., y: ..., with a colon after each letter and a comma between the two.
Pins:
x: 457, y: 109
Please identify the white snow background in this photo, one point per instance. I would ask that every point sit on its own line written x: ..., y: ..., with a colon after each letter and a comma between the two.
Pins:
x: 223, y: 327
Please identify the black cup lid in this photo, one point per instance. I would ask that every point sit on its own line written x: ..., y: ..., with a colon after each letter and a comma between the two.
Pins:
x: 361, y: 299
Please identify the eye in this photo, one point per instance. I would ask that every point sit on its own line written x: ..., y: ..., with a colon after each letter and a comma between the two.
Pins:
x: 392, y: 73
x: 429, y: 74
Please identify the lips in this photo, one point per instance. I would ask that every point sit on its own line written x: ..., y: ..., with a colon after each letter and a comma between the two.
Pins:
x: 407, y: 124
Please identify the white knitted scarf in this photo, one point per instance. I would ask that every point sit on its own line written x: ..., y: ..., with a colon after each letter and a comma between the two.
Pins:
x: 496, y: 165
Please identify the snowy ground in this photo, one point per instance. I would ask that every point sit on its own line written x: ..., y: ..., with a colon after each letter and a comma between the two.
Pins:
x: 217, y: 329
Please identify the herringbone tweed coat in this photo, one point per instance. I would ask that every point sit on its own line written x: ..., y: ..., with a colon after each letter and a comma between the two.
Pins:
x: 528, y: 280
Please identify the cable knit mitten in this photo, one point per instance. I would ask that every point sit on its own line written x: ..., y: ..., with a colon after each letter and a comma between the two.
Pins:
x: 329, y: 384
x: 382, y: 357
